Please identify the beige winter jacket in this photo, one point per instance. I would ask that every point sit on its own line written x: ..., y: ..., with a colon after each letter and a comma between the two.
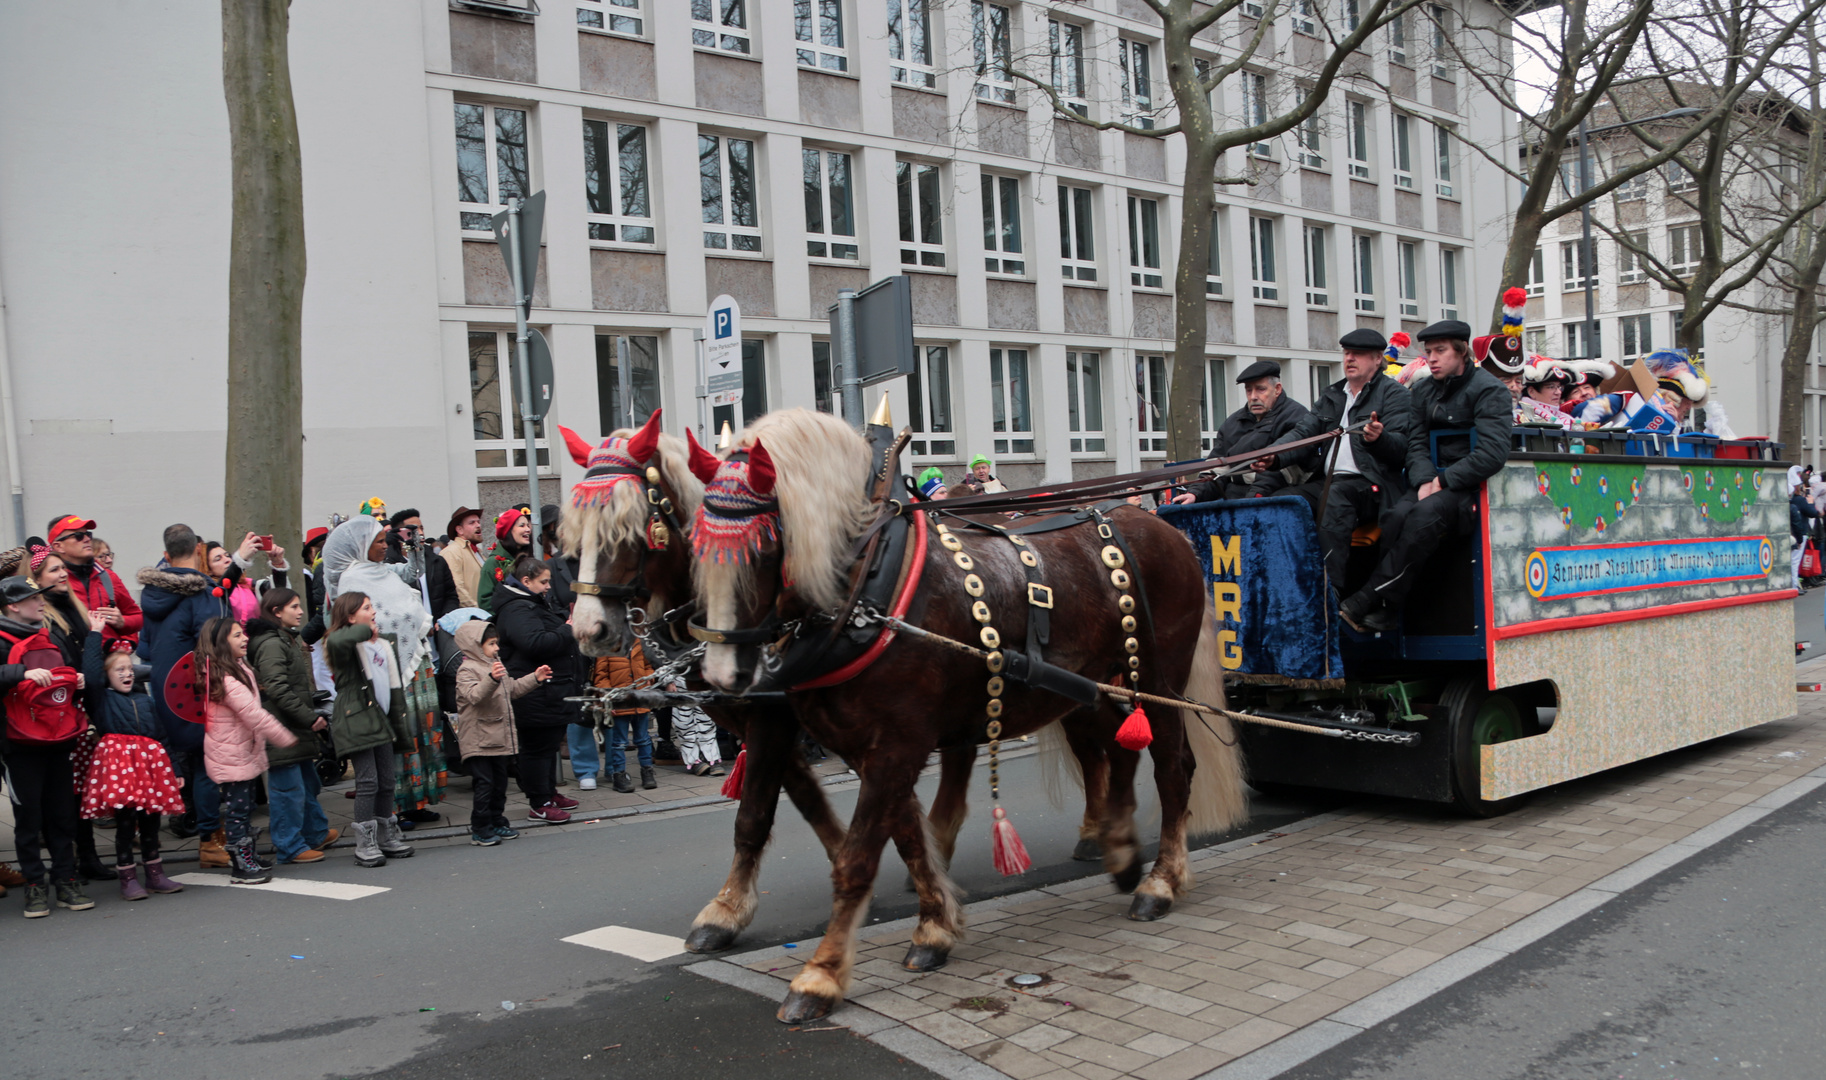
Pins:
x: 485, y: 713
x: 465, y: 568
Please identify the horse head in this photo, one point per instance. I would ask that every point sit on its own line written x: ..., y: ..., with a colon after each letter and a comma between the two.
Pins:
x: 772, y: 536
x: 625, y: 522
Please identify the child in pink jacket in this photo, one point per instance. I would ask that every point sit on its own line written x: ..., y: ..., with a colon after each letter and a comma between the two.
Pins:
x: 235, y: 733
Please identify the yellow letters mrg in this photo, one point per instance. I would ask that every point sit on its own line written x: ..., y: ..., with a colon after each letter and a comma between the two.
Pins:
x: 1227, y: 558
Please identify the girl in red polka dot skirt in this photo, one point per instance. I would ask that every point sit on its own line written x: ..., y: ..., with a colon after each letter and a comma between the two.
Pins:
x: 129, y: 778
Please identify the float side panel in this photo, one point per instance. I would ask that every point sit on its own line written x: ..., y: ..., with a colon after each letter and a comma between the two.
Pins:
x: 1631, y: 690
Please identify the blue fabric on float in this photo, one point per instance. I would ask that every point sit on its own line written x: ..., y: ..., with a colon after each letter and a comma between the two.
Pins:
x: 1262, y: 563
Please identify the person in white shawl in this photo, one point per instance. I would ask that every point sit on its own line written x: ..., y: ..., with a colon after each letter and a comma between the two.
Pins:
x: 353, y: 562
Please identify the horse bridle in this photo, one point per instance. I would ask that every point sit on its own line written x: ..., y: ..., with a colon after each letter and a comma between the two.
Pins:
x: 774, y: 625
x: 662, y: 526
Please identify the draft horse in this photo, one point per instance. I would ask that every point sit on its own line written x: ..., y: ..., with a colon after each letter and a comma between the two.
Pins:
x: 1123, y: 586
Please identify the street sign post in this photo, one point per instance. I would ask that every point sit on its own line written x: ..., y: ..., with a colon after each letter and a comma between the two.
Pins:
x: 873, y: 331
x: 723, y: 352
x: 517, y: 230
x: 539, y: 353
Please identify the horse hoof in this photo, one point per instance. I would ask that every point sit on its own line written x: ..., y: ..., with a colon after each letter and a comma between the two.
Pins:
x: 1128, y: 877
x: 709, y: 939
x: 802, y: 1008
x: 1145, y: 908
x: 925, y: 958
x: 1088, y: 850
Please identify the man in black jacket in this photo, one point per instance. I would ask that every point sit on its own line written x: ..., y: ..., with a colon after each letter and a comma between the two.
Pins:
x: 1459, y: 395
x: 1269, y: 415
x: 1366, y: 479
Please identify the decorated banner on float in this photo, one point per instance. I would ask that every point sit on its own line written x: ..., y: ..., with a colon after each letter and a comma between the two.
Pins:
x: 1582, y: 539
x: 1267, y: 580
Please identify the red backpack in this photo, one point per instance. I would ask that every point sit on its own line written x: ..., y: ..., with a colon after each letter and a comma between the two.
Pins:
x: 43, y: 715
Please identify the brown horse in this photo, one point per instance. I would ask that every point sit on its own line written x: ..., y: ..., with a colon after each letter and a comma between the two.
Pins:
x: 634, y: 559
x: 792, y: 493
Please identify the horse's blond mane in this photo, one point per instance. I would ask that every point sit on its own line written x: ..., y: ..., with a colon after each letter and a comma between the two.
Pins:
x: 623, y: 519
x: 822, y: 467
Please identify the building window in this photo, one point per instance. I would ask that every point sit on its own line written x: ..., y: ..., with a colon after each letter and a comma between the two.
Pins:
x: 1442, y: 160
x: 494, y: 406
x: 1002, y: 225
x: 1631, y: 266
x: 1683, y: 249
x: 1253, y: 9
x: 818, y: 27
x: 1634, y: 189
x: 1580, y: 347
x: 754, y: 389
x: 1261, y: 259
x: 1214, y: 257
x: 1398, y: 37
x: 1144, y: 242
x: 1534, y: 340
x: 1137, y: 82
x: 1084, y: 401
x: 929, y: 403
x: 1679, y: 179
x: 642, y: 353
x: 1305, y: 13
x: 1699, y: 339
x: 1213, y: 406
x: 1442, y: 41
x: 1067, y: 41
x: 1310, y: 137
x: 1319, y: 377
x: 922, y: 214
x: 1575, y: 268
x: 720, y: 24
x: 1363, y: 271
x: 1356, y: 136
x: 1638, y: 337
x: 1318, y: 272
x: 1151, y: 403
x: 910, y: 43
x: 1537, y: 274
x: 822, y: 390
x: 830, y: 215
x: 616, y: 16
x: 491, y: 144
x: 1448, y: 283
x: 1255, y: 108
x: 615, y: 175
x: 1403, y: 152
x: 992, y: 35
x: 726, y: 188
x: 1407, y: 255
x: 1012, y: 419
x: 1077, y: 240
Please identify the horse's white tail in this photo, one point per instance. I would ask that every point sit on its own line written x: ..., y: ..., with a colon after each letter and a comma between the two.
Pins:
x: 1219, y: 798
x: 1057, y: 763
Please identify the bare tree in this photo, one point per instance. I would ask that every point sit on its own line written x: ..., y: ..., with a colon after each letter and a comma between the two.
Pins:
x: 1195, y: 69
x: 265, y: 481
x: 1594, y: 51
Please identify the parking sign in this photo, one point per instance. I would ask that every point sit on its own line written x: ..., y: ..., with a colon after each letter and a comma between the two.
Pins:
x: 723, y: 351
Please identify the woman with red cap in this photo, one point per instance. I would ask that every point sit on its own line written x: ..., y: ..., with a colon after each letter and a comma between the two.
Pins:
x: 513, y: 538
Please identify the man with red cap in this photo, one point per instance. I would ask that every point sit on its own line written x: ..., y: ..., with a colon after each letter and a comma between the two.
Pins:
x: 100, y: 589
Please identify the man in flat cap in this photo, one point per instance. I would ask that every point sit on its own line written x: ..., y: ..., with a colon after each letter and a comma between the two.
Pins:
x: 1366, y: 478
x: 1459, y: 395
x: 1269, y: 415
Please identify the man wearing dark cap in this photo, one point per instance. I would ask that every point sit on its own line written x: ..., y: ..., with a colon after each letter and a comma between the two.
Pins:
x: 1366, y: 479
x: 1269, y: 415
x: 1459, y: 395
x: 564, y: 569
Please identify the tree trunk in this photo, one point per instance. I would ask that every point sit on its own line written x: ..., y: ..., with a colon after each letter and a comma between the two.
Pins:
x: 1791, y: 423
x: 265, y: 456
x: 1197, y: 203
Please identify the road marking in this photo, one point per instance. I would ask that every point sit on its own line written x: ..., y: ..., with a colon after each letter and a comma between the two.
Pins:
x: 628, y: 941
x: 327, y: 890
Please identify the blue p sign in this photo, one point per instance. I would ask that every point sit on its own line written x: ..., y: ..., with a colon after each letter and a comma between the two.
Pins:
x: 724, y: 324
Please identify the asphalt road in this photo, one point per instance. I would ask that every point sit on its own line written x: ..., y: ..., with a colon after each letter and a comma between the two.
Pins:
x: 1714, y: 968
x: 222, y: 982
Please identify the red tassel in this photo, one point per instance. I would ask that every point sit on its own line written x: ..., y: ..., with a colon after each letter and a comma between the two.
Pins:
x: 1135, y: 733
x: 732, y: 787
x: 1010, y: 854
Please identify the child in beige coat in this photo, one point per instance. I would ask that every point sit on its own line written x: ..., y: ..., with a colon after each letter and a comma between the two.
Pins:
x: 485, y: 727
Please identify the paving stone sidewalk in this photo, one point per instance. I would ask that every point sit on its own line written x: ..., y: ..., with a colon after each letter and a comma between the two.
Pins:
x: 1293, y: 927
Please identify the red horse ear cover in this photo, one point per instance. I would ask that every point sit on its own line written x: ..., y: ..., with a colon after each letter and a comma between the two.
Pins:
x: 760, y: 470
x: 580, y: 450
x: 646, y: 440
x: 703, y: 462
